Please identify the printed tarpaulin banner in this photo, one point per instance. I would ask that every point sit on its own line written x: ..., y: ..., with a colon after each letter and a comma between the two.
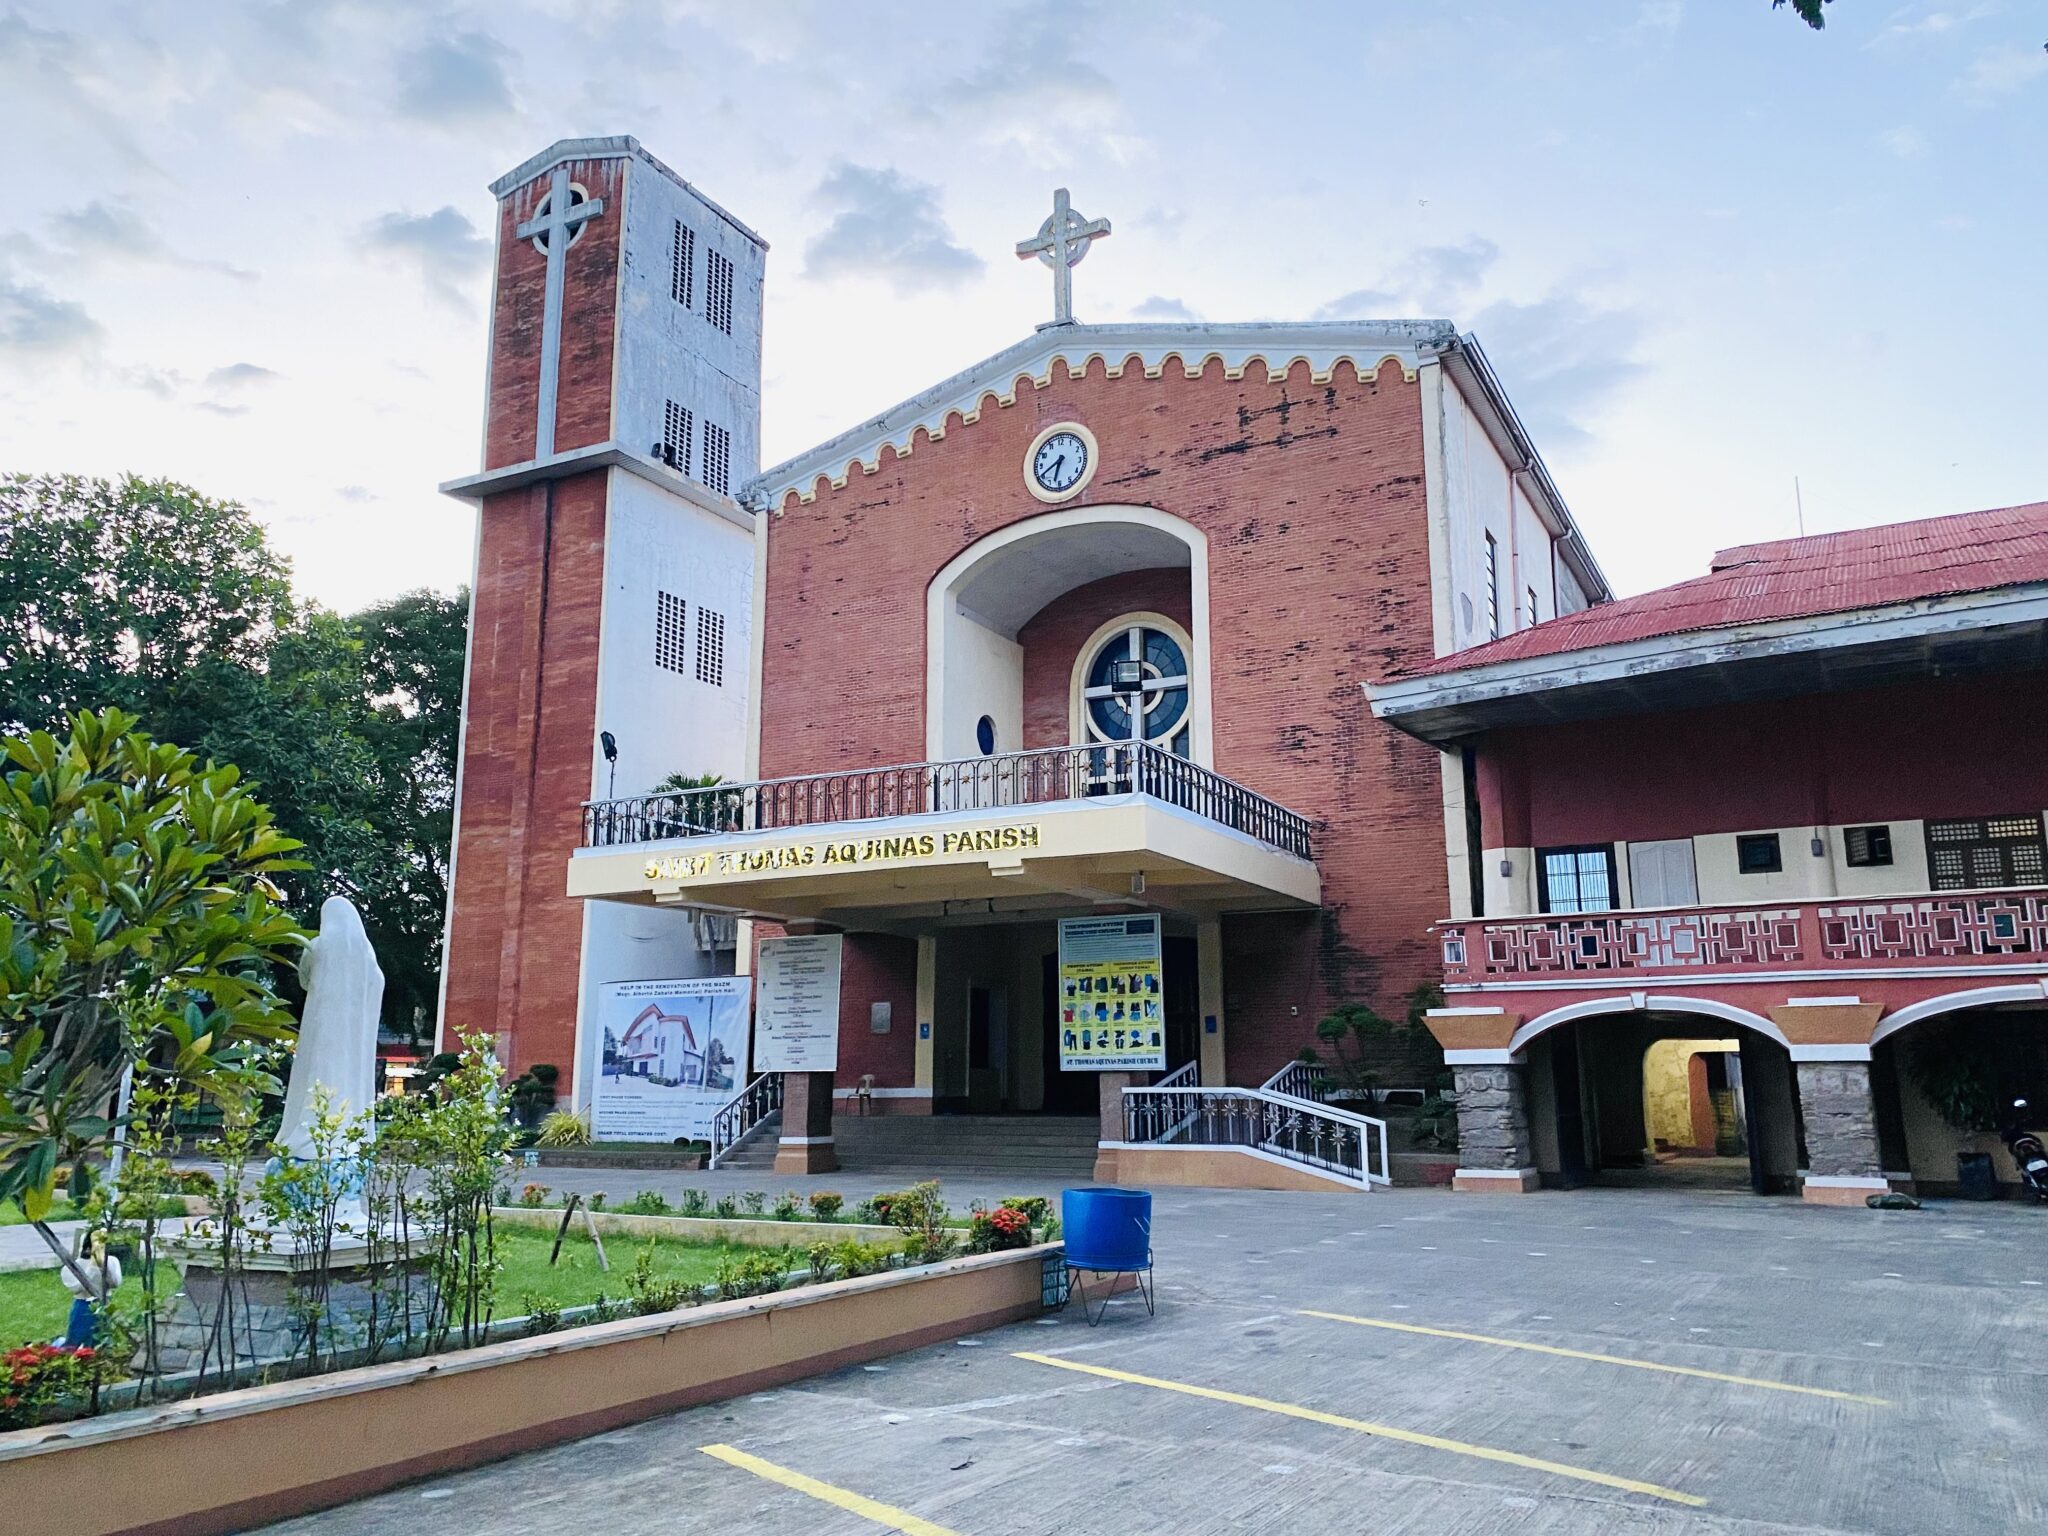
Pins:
x: 1112, y: 1002
x: 672, y: 1053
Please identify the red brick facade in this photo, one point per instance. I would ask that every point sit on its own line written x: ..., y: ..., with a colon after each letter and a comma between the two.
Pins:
x: 590, y: 283
x: 515, y: 938
x: 1311, y: 498
x: 875, y: 968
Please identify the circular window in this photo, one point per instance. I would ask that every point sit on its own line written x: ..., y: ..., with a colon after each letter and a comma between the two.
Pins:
x: 985, y: 736
x: 577, y: 197
x: 1136, y: 689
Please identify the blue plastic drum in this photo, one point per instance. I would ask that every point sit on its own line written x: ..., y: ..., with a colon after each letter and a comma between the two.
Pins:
x: 1107, y: 1229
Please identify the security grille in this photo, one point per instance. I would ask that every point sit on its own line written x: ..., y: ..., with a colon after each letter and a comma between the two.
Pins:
x: 682, y: 281
x: 677, y: 426
x: 710, y: 647
x: 717, y: 458
x: 718, y: 291
x: 670, y: 651
x: 1972, y: 853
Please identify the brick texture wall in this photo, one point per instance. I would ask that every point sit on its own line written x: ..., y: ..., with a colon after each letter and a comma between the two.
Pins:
x: 516, y: 942
x: 1053, y: 638
x: 1311, y: 496
x: 878, y: 968
x: 590, y: 283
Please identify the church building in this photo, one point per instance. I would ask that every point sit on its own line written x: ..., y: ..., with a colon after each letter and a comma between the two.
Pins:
x: 1081, y: 631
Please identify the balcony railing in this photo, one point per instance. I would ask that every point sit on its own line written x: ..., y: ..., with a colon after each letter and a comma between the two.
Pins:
x: 1965, y: 927
x: 1043, y: 777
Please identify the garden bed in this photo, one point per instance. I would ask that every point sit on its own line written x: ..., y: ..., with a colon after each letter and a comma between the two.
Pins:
x: 240, y: 1458
x: 740, y: 1231
x: 628, y: 1154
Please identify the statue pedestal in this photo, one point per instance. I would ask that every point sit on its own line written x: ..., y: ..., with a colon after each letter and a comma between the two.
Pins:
x: 277, y: 1301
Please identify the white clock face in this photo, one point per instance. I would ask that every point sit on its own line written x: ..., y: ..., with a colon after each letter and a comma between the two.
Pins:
x: 1060, y: 462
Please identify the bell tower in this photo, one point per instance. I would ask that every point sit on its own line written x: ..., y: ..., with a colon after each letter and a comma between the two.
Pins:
x: 613, y: 585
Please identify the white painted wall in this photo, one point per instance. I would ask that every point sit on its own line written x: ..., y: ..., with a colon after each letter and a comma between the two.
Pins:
x: 984, y: 676
x: 1480, y: 498
x: 666, y: 352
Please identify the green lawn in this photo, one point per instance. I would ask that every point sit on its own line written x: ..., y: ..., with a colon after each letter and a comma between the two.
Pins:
x: 64, y: 1210
x: 34, y: 1304
x: 576, y: 1279
x: 33, y: 1307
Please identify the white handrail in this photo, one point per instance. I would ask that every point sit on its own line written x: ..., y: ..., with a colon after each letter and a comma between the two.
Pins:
x: 1278, y: 1134
x: 1186, y: 1076
x: 730, y: 1123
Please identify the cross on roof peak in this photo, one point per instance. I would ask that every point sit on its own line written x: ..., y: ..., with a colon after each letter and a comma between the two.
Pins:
x: 1060, y: 243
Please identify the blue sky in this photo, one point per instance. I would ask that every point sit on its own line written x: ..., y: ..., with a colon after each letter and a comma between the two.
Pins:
x: 244, y: 243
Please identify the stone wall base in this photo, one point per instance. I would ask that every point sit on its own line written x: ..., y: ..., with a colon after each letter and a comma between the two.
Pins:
x: 1497, y: 1181
x: 1138, y: 1167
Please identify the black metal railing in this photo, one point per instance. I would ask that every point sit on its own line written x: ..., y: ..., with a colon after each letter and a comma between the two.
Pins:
x: 1042, y: 777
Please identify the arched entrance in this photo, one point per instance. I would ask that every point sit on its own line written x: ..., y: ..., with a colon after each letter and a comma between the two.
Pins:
x: 1944, y: 1074
x: 1665, y: 1092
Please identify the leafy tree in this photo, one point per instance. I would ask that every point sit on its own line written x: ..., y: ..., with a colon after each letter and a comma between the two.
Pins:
x: 139, y: 923
x: 1809, y: 11
x: 147, y: 596
x: 112, y: 593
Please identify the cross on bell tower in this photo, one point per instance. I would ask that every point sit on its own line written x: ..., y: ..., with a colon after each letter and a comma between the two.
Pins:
x: 1061, y: 242
x: 553, y: 228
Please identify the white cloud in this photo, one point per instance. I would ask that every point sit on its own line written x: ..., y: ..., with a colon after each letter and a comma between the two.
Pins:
x: 241, y: 376
x: 1439, y: 280
x: 456, y: 80
x: 2001, y: 71
x: 1160, y: 308
x: 1040, y: 88
x: 443, y: 247
x: 1906, y: 143
x: 886, y: 226
x: 1561, y: 359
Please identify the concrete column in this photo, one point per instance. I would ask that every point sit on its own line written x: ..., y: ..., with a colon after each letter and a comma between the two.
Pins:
x: 1209, y: 1000
x: 806, y: 1145
x: 1495, y: 1154
x: 1842, y: 1159
x: 927, y: 1009
x: 1111, y: 1085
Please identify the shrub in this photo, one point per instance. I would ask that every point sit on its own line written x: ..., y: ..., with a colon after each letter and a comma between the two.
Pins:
x: 604, y: 1309
x: 37, y: 1378
x: 993, y: 1231
x: 854, y: 1257
x: 534, y: 1194
x: 563, y: 1128
x: 197, y: 1181
x: 789, y: 1206
x: 596, y: 1201
x: 651, y: 1293
x: 880, y: 1209
x: 825, y: 1205
x: 754, y: 1202
x: 824, y: 1261
x: 1036, y: 1208
x: 646, y: 1203
x: 543, y: 1315
x: 727, y: 1207
x: 695, y: 1202
x: 921, y: 1216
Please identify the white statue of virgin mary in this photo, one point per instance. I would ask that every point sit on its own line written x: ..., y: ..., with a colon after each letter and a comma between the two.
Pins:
x: 337, y: 1047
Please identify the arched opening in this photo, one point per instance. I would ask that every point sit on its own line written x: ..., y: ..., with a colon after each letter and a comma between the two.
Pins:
x: 1945, y: 1073
x: 1673, y: 1092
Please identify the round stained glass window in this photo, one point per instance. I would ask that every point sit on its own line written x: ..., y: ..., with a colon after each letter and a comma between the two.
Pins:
x: 1136, y: 689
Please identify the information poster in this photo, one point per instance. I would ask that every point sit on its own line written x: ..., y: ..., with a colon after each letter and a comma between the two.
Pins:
x: 796, y: 1025
x: 672, y: 1053
x: 1112, y: 995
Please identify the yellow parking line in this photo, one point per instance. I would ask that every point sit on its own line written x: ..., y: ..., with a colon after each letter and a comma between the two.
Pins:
x: 839, y: 1498
x: 1382, y: 1431
x: 1581, y: 1354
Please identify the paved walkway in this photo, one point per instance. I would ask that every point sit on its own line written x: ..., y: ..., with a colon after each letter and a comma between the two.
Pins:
x: 1414, y: 1362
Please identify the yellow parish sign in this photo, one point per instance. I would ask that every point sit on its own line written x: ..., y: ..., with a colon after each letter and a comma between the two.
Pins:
x: 840, y: 853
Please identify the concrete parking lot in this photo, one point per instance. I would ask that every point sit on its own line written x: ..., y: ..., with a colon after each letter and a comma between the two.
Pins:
x: 1406, y: 1362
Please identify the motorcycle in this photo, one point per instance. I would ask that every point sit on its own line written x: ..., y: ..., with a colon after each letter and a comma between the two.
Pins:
x: 2027, y: 1151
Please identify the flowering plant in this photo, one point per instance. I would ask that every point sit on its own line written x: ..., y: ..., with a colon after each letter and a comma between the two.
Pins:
x: 991, y: 1231
x: 37, y: 1377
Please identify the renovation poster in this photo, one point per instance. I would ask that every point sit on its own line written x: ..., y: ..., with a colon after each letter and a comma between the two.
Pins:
x: 1112, y: 1012
x: 672, y: 1053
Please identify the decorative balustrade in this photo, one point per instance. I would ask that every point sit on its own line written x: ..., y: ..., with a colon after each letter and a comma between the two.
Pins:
x: 1331, y: 1141
x: 920, y: 789
x: 1187, y: 1075
x: 1300, y: 1080
x: 754, y: 1105
x: 1967, y: 927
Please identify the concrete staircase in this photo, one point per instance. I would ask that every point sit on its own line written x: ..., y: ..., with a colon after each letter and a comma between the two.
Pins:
x: 942, y: 1146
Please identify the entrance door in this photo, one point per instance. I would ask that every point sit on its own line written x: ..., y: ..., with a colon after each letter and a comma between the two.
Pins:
x: 1066, y: 1093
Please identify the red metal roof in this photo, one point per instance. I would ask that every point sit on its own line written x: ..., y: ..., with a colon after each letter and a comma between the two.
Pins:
x: 1801, y: 578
